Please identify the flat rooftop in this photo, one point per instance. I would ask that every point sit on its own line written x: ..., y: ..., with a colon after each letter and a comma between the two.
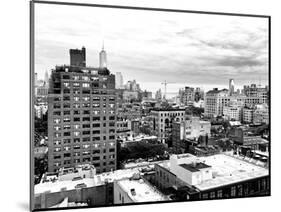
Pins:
x: 97, y: 180
x: 227, y: 170
x: 142, y: 192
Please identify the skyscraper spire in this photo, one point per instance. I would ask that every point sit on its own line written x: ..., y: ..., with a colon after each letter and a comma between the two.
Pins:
x: 103, y: 61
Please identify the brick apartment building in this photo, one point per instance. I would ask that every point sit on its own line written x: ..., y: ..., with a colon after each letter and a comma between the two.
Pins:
x: 81, y: 116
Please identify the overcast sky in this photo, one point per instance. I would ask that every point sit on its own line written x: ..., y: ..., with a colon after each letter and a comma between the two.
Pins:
x: 183, y: 48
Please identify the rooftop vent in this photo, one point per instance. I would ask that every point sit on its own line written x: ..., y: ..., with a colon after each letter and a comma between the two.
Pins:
x: 133, y: 192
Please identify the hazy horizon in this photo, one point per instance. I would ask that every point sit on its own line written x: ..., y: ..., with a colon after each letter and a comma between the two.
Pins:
x: 184, y: 49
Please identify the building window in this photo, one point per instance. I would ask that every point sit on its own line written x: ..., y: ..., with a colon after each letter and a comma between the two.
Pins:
x: 66, y: 105
x: 85, y: 85
x: 219, y: 193
x: 66, y: 148
x: 76, y: 105
x: 240, y: 190
x: 58, y: 149
x: 57, y: 128
x: 205, y: 196
x: 86, y: 119
x: 56, y: 113
x: 76, y: 140
x: 212, y: 195
x: 66, y: 98
x: 56, y: 135
x: 67, y: 112
x: 233, y: 191
x: 57, y: 142
x: 66, y: 141
x: 76, y: 84
x: 65, y: 120
x: 66, y: 134
x: 76, y: 133
x: 96, y: 118
x: 56, y: 121
x: 76, y: 147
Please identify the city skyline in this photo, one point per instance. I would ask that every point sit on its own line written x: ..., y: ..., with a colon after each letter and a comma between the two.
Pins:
x: 145, y: 106
x: 194, y: 54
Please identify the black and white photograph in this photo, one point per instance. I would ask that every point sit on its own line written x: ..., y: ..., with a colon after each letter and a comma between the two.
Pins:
x: 138, y: 105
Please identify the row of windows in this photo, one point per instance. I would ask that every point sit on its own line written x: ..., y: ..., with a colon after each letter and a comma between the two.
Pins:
x: 68, y: 148
x: 84, y: 126
x: 58, y: 142
x: 78, y: 133
x: 171, y: 114
x: 88, y: 159
x: 77, y: 147
x: 78, y: 119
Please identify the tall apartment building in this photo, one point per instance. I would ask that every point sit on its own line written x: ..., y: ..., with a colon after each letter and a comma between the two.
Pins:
x: 103, y: 58
x: 119, y: 81
x: 162, y: 122
x: 187, y: 96
x: 191, y: 128
x: 248, y: 115
x: 81, y: 117
x: 231, y: 87
x: 214, y: 101
x: 261, y: 114
x: 158, y: 95
x: 233, y: 111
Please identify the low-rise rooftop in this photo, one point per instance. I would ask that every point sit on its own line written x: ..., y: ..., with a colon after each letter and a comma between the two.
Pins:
x: 141, y: 191
x: 226, y: 169
x: 56, y: 185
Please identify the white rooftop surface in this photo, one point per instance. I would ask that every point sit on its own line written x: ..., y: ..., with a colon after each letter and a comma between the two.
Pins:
x: 266, y: 154
x: 90, y: 182
x: 141, y: 164
x: 228, y: 170
x: 144, y: 192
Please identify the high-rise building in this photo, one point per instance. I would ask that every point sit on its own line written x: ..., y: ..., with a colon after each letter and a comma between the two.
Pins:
x: 119, y: 81
x: 261, y: 114
x: 46, y: 78
x: 158, y: 95
x: 231, y: 87
x: 233, y: 110
x: 192, y: 128
x: 162, y: 122
x: 81, y: 118
x: 36, y: 79
x: 78, y: 57
x: 103, y: 59
x: 214, y: 101
x: 187, y: 96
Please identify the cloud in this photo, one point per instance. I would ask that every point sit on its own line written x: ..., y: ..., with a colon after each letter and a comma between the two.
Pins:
x: 153, y: 46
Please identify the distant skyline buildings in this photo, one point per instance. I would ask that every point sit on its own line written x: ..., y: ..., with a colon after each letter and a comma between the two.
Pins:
x: 119, y: 80
x: 206, y: 53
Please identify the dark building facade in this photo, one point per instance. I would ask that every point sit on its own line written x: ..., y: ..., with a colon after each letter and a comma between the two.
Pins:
x: 82, y: 118
x: 78, y: 57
